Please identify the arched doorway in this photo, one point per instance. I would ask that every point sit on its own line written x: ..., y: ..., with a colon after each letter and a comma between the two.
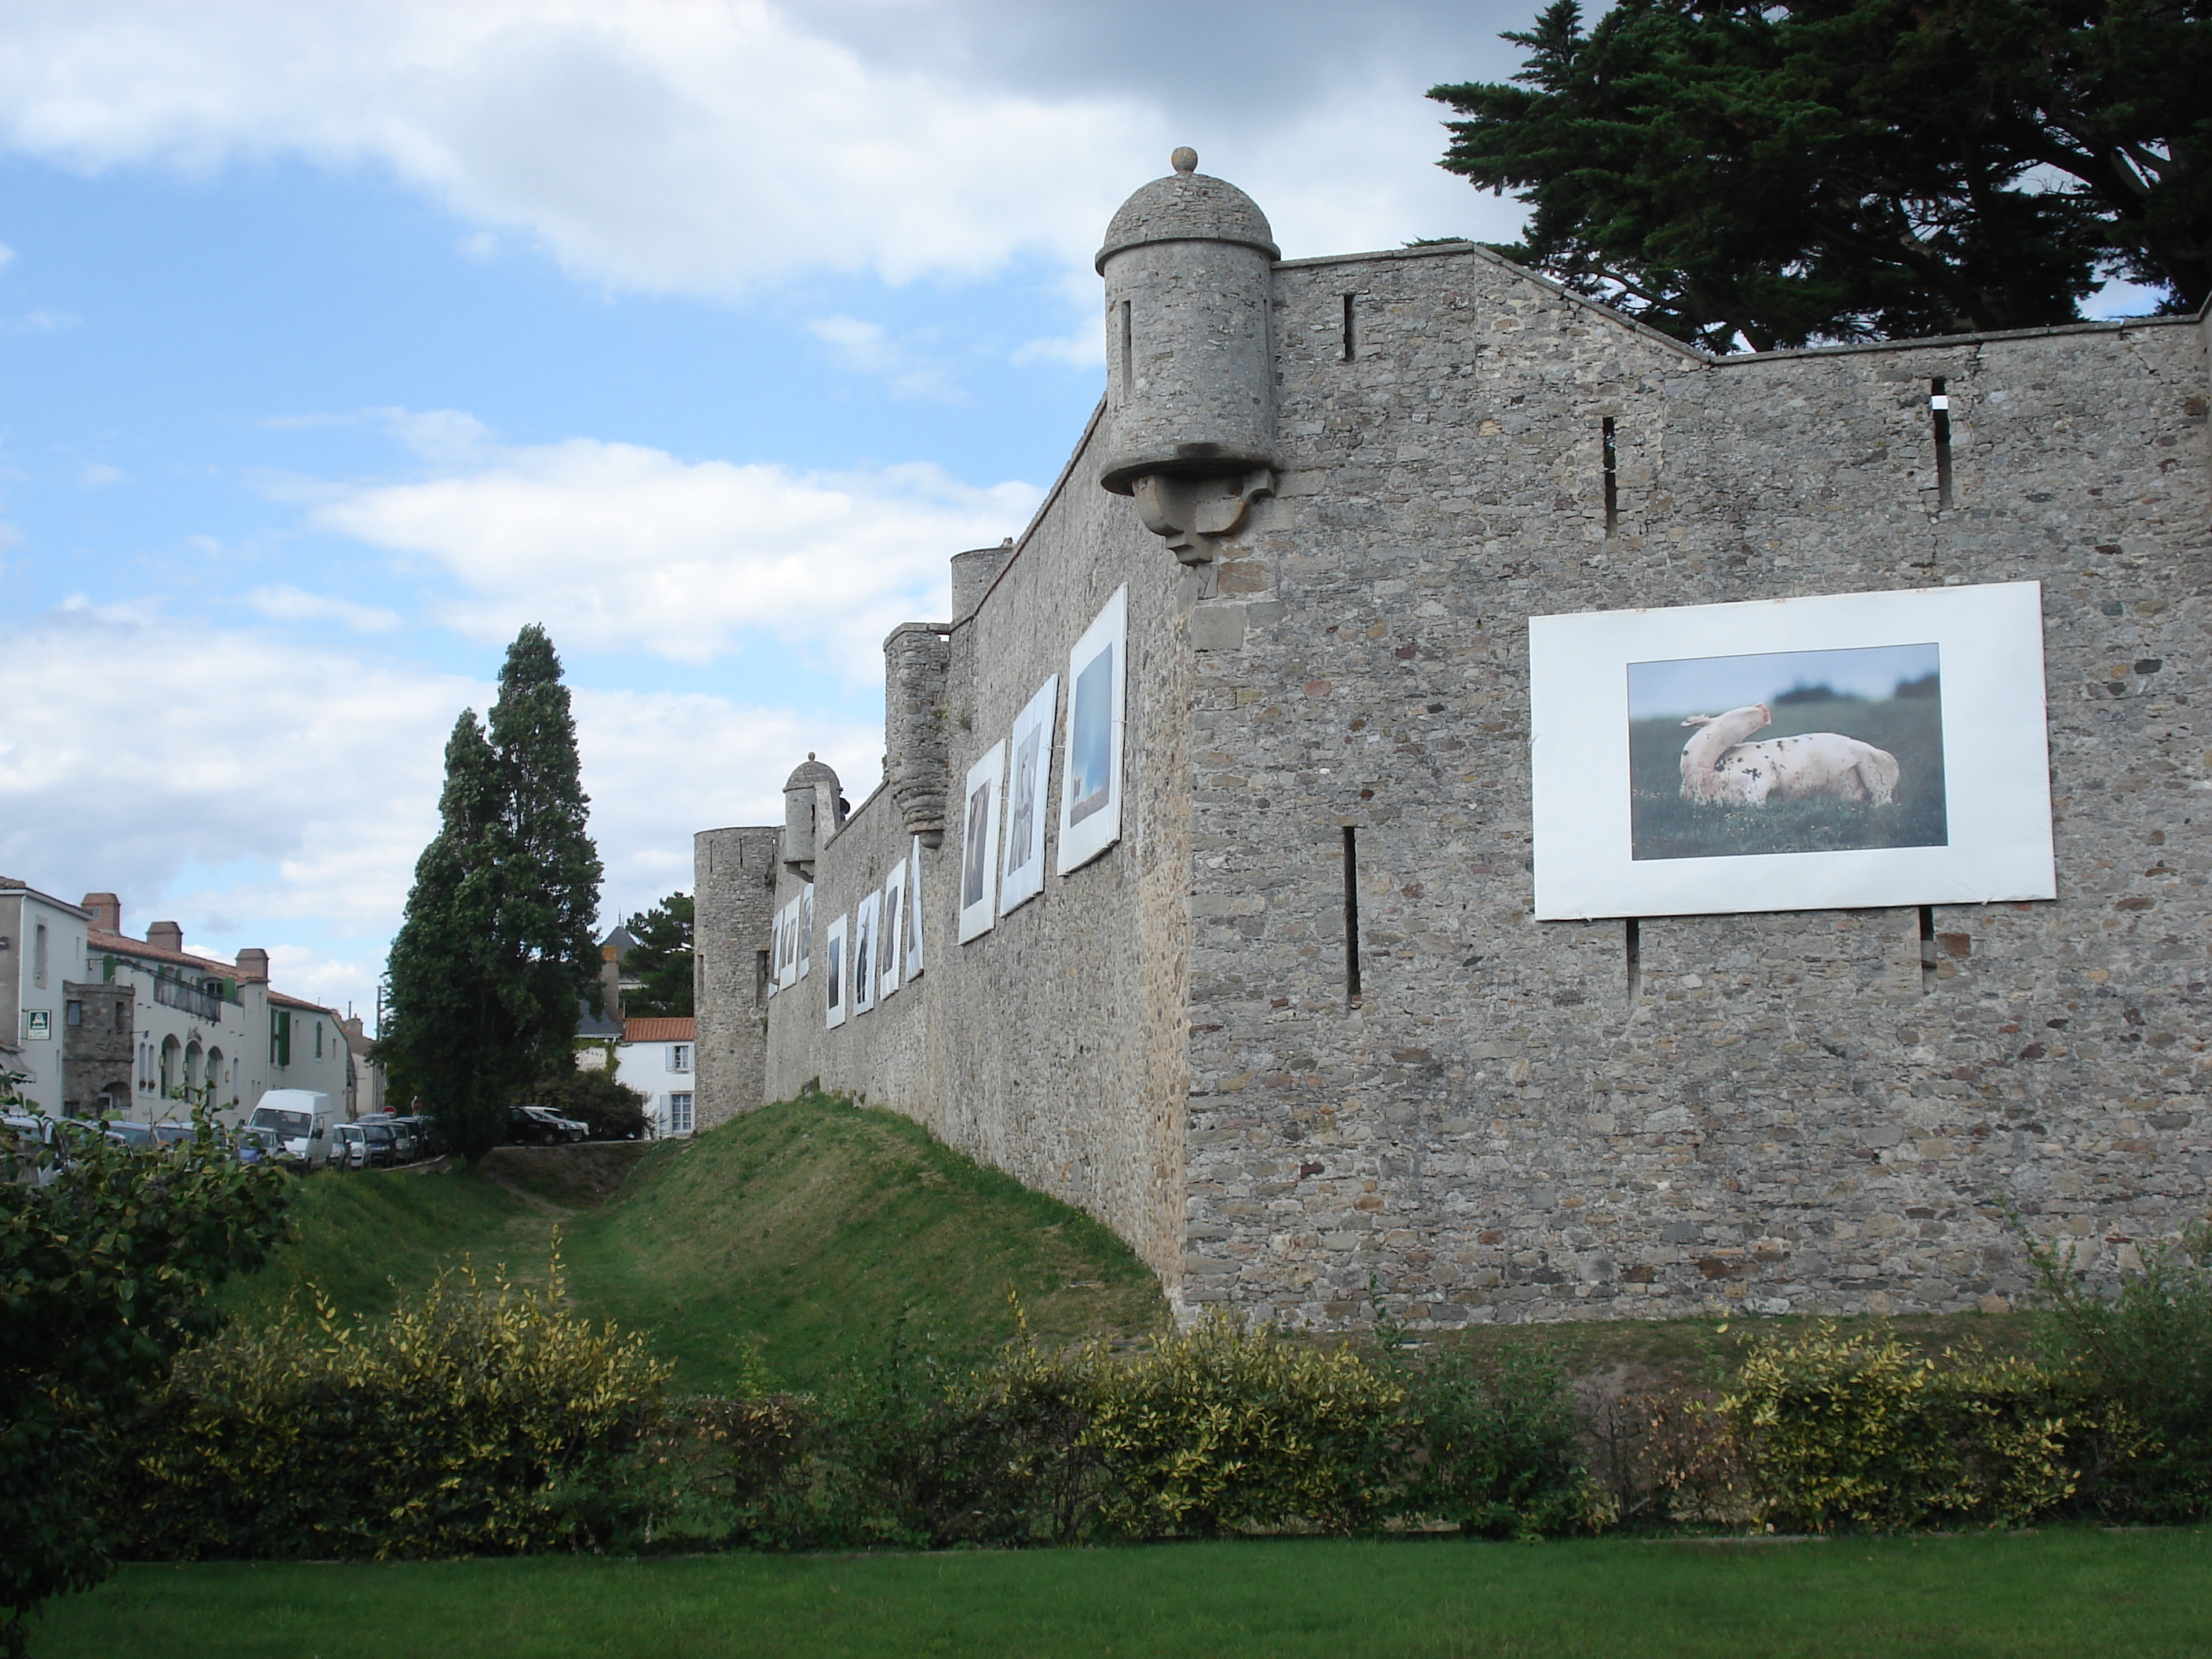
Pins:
x: 172, y: 1054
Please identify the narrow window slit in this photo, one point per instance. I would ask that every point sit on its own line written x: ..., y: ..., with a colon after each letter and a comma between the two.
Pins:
x: 1631, y: 943
x: 1128, y: 351
x: 1611, y: 481
x: 1927, y: 949
x: 1351, y: 916
x: 1349, y: 344
x: 1939, y: 409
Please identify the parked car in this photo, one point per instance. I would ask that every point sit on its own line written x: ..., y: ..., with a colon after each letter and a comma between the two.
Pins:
x: 383, y: 1145
x: 428, y: 1143
x: 253, y: 1145
x: 304, y: 1118
x: 30, y: 1139
x: 173, y: 1134
x: 350, y: 1148
x: 539, y: 1124
x: 131, y: 1134
x: 405, y: 1148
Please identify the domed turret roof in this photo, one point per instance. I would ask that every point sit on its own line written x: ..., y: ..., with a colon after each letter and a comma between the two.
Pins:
x: 1189, y: 206
x: 809, y: 773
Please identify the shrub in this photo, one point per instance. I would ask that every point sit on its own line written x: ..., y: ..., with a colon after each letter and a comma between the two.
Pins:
x: 2147, y: 1349
x: 609, y: 1109
x: 1220, y: 1429
x: 1853, y: 1431
x: 1497, y: 1446
x: 477, y: 1418
x: 106, y: 1273
x: 1671, y: 1455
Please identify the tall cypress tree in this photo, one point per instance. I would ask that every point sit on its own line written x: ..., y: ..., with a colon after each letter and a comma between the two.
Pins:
x: 496, y: 944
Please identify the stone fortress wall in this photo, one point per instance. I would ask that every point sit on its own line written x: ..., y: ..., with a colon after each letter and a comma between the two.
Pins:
x: 1812, y: 1111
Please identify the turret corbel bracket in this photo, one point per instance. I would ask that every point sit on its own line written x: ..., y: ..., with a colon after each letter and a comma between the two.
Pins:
x: 1192, y: 515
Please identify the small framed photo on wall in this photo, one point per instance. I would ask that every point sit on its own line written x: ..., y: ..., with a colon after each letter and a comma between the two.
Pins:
x: 1838, y: 751
x: 914, y: 910
x: 1091, y: 773
x: 864, y: 952
x: 1029, y: 769
x: 805, y: 929
x: 979, y: 844
x: 891, y: 932
x: 834, y: 952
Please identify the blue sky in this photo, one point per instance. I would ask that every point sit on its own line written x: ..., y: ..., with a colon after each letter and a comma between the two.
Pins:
x: 1712, y: 685
x: 338, y: 340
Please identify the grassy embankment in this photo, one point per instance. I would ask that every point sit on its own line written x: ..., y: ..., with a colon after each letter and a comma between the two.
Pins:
x: 2059, y: 1595
x: 1665, y: 826
x: 809, y: 1228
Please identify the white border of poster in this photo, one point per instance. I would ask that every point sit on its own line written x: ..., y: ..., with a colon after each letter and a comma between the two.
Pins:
x: 865, y: 918
x: 1995, y: 748
x: 890, y: 959
x: 1029, y: 774
x: 805, y: 930
x: 913, y: 911
x: 1091, y: 824
x: 978, y: 871
x: 834, y: 952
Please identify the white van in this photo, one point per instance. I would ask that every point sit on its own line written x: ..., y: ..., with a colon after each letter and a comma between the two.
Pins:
x: 302, y: 1119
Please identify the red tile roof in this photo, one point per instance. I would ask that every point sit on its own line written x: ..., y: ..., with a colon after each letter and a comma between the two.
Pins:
x: 284, y: 1000
x: 660, y: 1030
x: 120, y: 944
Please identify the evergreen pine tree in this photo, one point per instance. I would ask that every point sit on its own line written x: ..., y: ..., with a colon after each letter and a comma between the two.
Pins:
x: 661, y: 963
x: 496, y: 946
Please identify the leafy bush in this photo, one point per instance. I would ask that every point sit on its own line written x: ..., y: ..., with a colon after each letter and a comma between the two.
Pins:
x: 612, y: 1109
x: 1219, y: 1429
x: 106, y: 1272
x: 1497, y: 1448
x: 1671, y: 1455
x: 479, y: 1419
x: 1854, y: 1431
x: 2147, y: 1349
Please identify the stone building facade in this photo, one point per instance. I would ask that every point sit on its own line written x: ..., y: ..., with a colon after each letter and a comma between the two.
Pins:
x: 1298, y: 1031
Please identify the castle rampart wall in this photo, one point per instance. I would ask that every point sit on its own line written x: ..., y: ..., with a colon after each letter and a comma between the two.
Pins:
x: 734, y: 876
x: 1789, y: 1110
x: 1051, y: 1046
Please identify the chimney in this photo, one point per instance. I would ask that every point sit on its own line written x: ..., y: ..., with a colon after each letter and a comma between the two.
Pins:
x: 106, y: 911
x: 165, y: 936
x: 253, y: 966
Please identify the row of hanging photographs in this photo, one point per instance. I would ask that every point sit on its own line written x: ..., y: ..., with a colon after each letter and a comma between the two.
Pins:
x: 999, y: 873
x: 874, y: 948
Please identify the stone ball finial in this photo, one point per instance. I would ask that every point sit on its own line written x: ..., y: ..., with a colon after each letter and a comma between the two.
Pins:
x: 1185, y: 159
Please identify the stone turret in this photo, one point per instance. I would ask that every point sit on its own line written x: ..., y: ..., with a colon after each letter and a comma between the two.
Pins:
x: 1189, y: 263
x: 813, y: 807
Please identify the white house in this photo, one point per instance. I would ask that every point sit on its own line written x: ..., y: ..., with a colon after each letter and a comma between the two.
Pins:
x: 41, y: 942
x: 192, y: 1022
x: 656, y: 1057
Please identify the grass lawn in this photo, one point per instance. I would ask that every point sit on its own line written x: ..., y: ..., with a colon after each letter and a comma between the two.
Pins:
x: 806, y: 1227
x: 365, y: 1235
x: 2068, y: 1595
x: 809, y: 1226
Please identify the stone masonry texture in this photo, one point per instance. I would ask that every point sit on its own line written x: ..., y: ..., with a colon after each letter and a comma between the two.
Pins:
x: 734, y: 872
x: 1801, y: 1111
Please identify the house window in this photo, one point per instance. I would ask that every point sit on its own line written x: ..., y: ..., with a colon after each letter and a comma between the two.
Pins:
x: 39, y: 956
x: 679, y: 1056
x: 76, y: 1015
x: 318, y: 1039
x: 679, y: 1114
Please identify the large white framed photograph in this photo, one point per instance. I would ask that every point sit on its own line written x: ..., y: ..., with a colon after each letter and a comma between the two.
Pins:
x: 1090, y: 771
x: 890, y: 948
x: 834, y: 954
x: 914, y: 910
x: 805, y: 931
x: 864, y: 952
x: 1837, y: 752
x: 1029, y: 771
x: 979, y: 843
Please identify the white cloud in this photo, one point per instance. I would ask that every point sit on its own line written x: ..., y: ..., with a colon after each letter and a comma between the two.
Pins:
x: 278, y: 794
x: 864, y: 347
x: 7, y: 256
x: 40, y: 321
x: 292, y: 605
x: 616, y: 546
x: 710, y: 145
x: 96, y: 473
